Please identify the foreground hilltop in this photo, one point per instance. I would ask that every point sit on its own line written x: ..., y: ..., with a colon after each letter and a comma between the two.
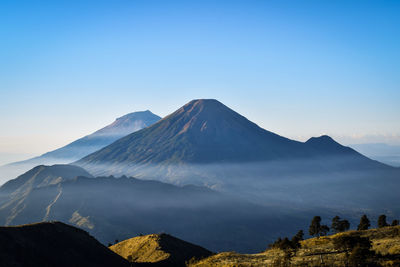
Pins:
x: 385, y: 245
x: 53, y: 244
x: 159, y: 249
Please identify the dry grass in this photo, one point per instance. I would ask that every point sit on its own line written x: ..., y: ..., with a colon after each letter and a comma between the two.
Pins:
x: 141, y: 249
x: 386, y: 241
x: 162, y: 249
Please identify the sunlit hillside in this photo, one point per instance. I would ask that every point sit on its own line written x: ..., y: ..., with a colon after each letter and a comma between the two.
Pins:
x: 317, y: 252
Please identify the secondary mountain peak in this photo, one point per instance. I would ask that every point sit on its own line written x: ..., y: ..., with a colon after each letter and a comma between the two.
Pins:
x: 326, y: 144
x: 321, y: 138
x: 129, y: 123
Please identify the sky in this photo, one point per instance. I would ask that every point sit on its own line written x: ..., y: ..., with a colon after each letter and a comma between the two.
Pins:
x: 297, y: 68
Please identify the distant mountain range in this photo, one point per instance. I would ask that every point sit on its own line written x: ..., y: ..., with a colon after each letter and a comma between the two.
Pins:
x: 121, y: 127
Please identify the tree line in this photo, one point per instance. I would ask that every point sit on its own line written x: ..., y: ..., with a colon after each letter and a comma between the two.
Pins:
x: 355, y: 247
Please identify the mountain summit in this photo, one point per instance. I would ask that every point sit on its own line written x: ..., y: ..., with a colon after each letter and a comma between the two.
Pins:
x: 128, y: 123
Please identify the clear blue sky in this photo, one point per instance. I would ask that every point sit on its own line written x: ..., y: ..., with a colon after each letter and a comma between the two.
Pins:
x: 298, y: 68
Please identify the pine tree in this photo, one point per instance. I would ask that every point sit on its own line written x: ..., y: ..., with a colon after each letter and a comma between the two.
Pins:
x: 358, y: 246
x: 364, y: 223
x: 344, y: 225
x: 335, y: 224
x: 382, y: 221
x: 323, y: 230
x: 339, y: 225
x: 297, y: 238
x: 315, y: 226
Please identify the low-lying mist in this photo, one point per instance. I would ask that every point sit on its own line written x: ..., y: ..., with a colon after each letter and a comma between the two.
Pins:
x: 335, y: 182
x: 243, y: 206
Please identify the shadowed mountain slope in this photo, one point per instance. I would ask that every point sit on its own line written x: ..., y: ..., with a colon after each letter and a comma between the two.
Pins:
x: 163, y: 249
x: 14, y: 193
x: 53, y: 244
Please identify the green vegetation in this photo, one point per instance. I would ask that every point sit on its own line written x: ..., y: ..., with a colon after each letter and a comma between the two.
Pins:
x: 316, y: 229
x: 339, y: 225
x: 356, y: 248
x: 382, y: 221
x: 364, y: 223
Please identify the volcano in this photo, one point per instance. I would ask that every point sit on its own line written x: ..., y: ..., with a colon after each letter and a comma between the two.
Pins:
x: 205, y: 131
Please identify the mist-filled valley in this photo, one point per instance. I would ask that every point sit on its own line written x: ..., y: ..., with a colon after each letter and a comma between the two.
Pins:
x: 118, y: 208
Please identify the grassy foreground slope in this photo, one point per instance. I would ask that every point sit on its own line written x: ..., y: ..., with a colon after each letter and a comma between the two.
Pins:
x: 159, y: 249
x: 385, y: 244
